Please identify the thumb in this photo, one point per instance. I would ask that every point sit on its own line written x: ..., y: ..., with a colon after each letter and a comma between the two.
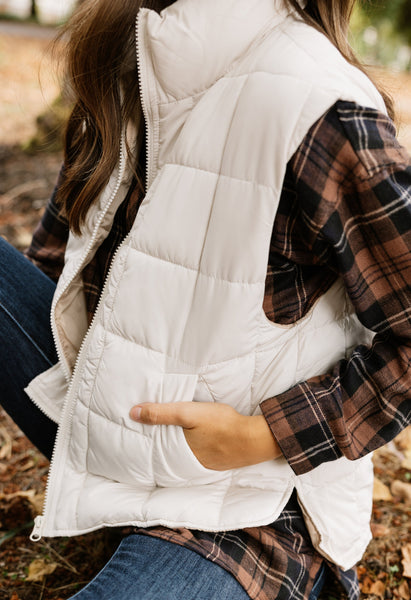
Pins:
x: 172, y: 413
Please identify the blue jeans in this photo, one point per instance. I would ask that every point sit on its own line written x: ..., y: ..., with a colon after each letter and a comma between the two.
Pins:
x: 26, y: 342
x: 152, y: 569
x: 142, y: 568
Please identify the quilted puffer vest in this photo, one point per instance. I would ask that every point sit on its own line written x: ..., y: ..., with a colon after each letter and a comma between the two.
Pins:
x: 229, y: 89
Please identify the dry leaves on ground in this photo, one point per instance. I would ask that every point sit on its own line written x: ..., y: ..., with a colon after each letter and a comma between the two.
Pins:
x: 39, y: 568
x: 406, y: 560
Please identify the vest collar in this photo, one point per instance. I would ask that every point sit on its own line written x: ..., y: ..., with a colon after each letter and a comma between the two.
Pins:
x: 192, y: 43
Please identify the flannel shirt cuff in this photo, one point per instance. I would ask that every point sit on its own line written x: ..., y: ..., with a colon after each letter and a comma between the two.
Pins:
x: 300, y: 428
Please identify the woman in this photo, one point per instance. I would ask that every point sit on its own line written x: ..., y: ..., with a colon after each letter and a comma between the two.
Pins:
x: 262, y: 142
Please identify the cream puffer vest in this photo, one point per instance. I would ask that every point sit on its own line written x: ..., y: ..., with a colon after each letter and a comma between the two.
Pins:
x: 229, y: 90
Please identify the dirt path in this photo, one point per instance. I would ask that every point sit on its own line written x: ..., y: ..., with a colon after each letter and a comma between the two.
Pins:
x: 27, y: 85
x: 26, y: 30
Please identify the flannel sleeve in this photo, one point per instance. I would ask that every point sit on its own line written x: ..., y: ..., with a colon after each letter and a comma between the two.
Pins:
x: 353, y: 182
x: 48, y: 244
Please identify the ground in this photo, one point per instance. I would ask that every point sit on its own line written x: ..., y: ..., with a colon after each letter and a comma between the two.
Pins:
x: 56, y: 569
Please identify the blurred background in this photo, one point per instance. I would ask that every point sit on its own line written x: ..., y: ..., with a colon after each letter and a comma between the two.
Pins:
x: 32, y: 113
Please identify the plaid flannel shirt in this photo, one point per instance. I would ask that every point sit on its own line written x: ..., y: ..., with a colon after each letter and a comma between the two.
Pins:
x: 345, y: 211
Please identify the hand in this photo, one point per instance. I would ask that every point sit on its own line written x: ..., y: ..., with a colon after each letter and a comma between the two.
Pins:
x: 220, y: 437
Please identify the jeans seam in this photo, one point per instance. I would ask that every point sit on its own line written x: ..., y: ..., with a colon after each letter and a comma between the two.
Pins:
x: 8, y: 313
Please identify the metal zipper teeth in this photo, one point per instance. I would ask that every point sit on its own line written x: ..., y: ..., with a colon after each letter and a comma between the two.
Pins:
x: 67, y: 414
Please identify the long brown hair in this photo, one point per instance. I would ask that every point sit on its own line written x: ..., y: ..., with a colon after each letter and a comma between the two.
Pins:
x: 99, y: 42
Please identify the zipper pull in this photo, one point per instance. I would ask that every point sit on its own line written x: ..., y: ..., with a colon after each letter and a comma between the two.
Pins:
x: 38, y: 526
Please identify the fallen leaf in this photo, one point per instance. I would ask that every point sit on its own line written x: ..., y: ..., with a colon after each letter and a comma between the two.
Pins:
x: 388, y: 452
x: 27, y: 494
x: 403, y: 440
x: 366, y: 585
x: 361, y: 570
x: 404, y: 591
x: 36, y: 500
x: 5, y: 444
x: 379, y: 530
x: 29, y: 465
x: 402, y: 490
x: 37, y: 503
x: 381, y: 491
x: 378, y: 588
x: 406, y: 463
x: 38, y: 569
x: 23, y: 237
x: 406, y: 560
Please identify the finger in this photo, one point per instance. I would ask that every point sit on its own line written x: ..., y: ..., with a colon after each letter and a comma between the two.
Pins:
x: 173, y: 413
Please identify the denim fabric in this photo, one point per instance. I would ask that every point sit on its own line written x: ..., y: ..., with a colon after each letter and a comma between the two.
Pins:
x: 318, y: 583
x: 27, y: 346
x: 146, y: 568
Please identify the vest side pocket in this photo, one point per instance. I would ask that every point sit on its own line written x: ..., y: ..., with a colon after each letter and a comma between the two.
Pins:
x: 174, y: 463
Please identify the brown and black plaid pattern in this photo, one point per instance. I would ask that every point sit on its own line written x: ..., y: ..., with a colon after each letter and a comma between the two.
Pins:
x: 94, y: 274
x: 48, y: 244
x: 345, y: 211
x: 350, y: 189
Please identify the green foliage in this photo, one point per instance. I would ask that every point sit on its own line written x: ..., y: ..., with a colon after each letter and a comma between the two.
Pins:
x: 404, y: 19
x: 396, y: 13
x: 378, y: 10
x: 381, y: 32
x: 49, y: 127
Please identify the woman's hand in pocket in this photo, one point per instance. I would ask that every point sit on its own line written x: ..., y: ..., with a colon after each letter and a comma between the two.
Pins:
x: 219, y: 436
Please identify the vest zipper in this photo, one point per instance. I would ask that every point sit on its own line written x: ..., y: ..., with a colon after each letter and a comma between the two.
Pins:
x: 146, y: 108
x: 60, y: 354
x: 37, y: 529
x: 67, y: 413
